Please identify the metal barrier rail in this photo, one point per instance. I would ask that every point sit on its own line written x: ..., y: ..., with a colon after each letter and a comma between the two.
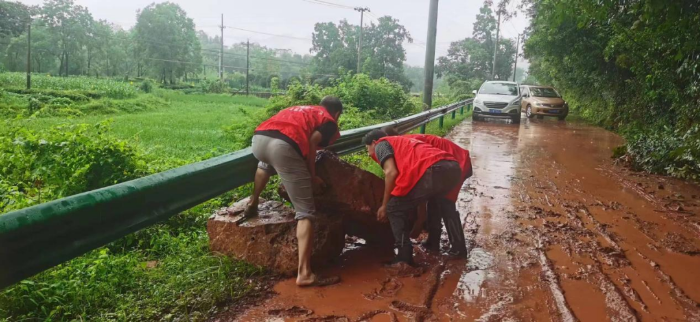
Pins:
x: 42, y: 236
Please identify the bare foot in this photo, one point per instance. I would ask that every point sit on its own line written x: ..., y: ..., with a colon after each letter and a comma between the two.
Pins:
x: 314, y: 280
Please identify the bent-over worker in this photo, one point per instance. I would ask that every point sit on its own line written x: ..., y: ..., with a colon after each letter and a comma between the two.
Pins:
x: 415, y: 172
x: 286, y: 145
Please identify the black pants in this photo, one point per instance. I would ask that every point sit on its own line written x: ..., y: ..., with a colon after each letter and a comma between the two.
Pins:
x: 432, y: 187
x: 446, y: 210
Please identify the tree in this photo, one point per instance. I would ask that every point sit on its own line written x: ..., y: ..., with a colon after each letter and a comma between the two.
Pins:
x: 68, y: 24
x: 166, y: 38
x: 335, y: 49
x: 469, y: 61
x: 14, y: 17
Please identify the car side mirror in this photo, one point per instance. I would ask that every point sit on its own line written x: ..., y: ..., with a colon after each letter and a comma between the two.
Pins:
x: 474, y: 92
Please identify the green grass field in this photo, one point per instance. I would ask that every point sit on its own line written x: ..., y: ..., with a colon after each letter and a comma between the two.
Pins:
x: 189, y: 128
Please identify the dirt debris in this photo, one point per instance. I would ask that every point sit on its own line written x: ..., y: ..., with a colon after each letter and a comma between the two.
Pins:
x: 294, y: 311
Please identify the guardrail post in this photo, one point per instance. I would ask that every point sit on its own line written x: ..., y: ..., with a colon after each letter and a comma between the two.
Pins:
x: 469, y: 107
x: 461, y: 110
x: 442, y: 120
x: 422, y: 129
x: 454, y: 114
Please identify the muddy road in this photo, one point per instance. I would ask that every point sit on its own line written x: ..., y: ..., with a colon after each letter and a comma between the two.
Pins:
x: 557, y: 232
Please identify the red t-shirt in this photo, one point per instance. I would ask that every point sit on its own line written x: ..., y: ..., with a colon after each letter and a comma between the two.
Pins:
x: 298, y: 123
x: 412, y: 158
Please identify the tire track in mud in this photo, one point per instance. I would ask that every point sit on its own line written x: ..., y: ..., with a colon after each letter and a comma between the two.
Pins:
x: 552, y: 280
x: 554, y: 232
x: 690, y: 306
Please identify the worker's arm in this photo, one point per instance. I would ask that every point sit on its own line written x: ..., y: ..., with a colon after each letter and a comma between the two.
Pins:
x: 390, y: 174
x: 314, y: 141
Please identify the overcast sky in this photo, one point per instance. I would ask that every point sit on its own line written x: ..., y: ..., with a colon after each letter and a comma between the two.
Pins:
x: 296, y: 18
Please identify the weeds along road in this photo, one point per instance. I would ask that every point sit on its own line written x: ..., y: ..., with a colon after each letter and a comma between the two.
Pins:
x: 558, y: 232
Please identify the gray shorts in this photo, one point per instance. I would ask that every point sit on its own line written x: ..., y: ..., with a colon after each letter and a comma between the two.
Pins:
x: 278, y: 157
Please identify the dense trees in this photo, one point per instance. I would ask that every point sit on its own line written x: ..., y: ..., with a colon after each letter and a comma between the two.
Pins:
x: 383, y: 55
x: 629, y: 65
x: 469, y: 61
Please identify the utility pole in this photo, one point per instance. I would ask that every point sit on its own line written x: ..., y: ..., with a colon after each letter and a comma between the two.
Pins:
x: 359, y: 46
x: 221, y: 54
x: 29, y: 54
x: 517, y: 47
x: 247, y: 68
x: 495, y: 45
x: 430, y: 58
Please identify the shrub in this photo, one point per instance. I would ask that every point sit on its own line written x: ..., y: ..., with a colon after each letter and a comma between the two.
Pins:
x: 146, y: 86
x: 380, y: 99
x: 38, y: 166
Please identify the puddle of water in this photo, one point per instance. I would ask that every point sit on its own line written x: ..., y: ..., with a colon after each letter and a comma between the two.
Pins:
x: 470, y: 284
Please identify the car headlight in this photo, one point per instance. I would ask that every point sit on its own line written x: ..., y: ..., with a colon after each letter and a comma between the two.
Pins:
x: 476, y: 101
x: 538, y: 104
x: 515, y: 103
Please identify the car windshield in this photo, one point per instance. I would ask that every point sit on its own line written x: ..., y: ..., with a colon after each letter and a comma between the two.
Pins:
x: 543, y: 92
x: 499, y: 89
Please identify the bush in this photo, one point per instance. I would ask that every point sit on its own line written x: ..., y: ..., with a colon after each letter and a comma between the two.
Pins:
x: 663, y: 150
x: 146, y: 86
x: 38, y: 166
x: 380, y: 99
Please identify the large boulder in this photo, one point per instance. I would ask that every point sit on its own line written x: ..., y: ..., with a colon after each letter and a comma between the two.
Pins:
x: 270, y: 239
x: 352, y: 192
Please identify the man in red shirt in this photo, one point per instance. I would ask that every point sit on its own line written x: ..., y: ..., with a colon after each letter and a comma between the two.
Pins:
x: 286, y: 144
x: 450, y: 215
x: 415, y: 172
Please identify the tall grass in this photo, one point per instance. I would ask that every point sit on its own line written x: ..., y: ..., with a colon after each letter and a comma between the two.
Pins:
x: 108, y: 87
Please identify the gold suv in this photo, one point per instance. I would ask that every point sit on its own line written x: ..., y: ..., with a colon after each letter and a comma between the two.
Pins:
x: 543, y: 101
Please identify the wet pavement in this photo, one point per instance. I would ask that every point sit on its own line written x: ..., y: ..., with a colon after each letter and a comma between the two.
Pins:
x: 557, y: 232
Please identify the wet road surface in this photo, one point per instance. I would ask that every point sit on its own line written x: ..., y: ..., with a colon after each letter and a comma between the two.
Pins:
x: 557, y: 232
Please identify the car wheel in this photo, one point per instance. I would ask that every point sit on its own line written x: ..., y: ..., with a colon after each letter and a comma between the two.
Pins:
x: 539, y: 117
x: 528, y: 112
x: 476, y: 118
x: 561, y: 118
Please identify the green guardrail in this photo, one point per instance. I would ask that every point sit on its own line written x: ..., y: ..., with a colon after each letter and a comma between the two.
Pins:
x: 40, y: 237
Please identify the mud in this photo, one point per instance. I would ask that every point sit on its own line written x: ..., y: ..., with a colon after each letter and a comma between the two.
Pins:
x: 557, y: 231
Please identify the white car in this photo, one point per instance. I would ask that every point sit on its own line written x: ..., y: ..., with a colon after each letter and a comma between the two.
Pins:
x: 497, y: 99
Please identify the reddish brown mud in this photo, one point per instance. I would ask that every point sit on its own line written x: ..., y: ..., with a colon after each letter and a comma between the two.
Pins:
x: 556, y: 231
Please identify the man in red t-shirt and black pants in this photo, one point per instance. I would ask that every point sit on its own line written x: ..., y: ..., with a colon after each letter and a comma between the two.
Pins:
x: 415, y: 172
x: 286, y: 145
x: 450, y: 215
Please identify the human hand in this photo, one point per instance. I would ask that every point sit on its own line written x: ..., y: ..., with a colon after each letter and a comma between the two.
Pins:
x: 381, y: 214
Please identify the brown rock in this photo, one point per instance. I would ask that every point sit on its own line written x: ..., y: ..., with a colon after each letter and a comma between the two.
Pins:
x: 352, y: 192
x: 270, y: 239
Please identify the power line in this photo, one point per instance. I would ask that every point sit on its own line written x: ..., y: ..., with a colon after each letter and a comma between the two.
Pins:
x: 192, y: 63
x: 269, y: 34
x: 330, y: 4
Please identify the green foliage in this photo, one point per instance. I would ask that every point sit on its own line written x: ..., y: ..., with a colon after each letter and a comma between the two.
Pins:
x: 469, y: 62
x: 38, y: 166
x: 146, y: 86
x: 630, y: 67
x: 383, y: 54
x: 166, y: 36
x: 93, y: 87
x: 381, y: 99
x: 182, y: 280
